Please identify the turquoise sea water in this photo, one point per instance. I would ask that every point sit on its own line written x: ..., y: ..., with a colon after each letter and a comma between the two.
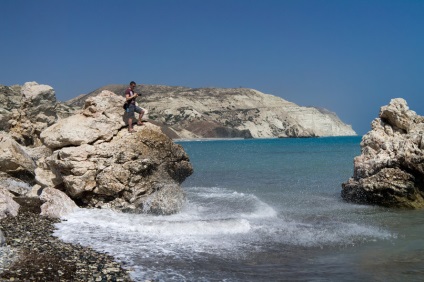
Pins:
x: 262, y: 210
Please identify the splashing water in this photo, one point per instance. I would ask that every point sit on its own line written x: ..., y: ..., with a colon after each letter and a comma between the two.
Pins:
x: 261, y: 210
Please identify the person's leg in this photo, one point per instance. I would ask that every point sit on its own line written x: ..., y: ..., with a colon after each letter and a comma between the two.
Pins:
x: 130, y: 128
x: 131, y: 109
x: 140, y: 112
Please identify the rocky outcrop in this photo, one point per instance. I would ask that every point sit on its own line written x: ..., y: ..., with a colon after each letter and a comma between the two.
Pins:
x: 86, y: 159
x: 390, y: 170
x: 14, y: 160
x: 228, y: 112
x: 100, y: 164
x: 26, y: 111
x: 100, y: 120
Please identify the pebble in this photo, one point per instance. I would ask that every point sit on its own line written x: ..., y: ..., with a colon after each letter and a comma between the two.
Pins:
x: 31, y: 253
x: 7, y: 256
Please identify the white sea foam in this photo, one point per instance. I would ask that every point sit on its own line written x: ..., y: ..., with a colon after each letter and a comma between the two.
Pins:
x: 214, y: 221
x: 153, y: 227
x: 220, y: 212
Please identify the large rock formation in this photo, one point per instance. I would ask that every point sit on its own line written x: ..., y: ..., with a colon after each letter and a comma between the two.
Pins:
x: 26, y: 111
x: 390, y: 169
x: 87, y: 158
x: 101, y: 164
x: 231, y: 112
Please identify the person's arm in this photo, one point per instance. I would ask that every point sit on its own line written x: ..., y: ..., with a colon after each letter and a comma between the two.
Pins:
x: 128, y: 97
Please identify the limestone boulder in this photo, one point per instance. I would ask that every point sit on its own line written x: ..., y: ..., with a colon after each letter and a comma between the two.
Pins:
x: 98, y: 163
x: 84, y: 157
x: 126, y: 173
x: 56, y: 203
x: 8, y: 207
x: 390, y: 169
x: 101, y: 118
x: 39, y: 104
x: 14, y: 160
x: 44, y: 175
x: 10, y: 99
x: 27, y: 110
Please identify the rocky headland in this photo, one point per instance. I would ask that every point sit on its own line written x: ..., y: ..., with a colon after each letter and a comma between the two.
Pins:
x: 186, y: 113
x: 390, y: 170
x: 62, y: 159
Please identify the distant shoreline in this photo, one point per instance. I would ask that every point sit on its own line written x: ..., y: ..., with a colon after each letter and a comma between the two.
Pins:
x: 261, y: 138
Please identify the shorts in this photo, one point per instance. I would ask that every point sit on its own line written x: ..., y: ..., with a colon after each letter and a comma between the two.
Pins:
x: 134, y: 109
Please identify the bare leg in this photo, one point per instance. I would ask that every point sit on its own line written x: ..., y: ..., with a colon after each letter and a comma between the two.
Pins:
x: 140, y: 116
x: 130, y: 126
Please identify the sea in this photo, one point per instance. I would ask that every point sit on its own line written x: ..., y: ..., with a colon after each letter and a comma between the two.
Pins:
x: 261, y: 210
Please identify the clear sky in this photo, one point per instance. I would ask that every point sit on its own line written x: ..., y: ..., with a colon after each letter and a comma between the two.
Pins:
x: 349, y: 56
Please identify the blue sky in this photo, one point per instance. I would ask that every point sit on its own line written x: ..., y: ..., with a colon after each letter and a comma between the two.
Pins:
x: 350, y: 57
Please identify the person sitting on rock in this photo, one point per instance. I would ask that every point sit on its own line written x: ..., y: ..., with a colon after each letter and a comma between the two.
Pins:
x: 132, y: 108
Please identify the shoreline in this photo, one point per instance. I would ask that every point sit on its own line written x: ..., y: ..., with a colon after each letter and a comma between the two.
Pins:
x: 178, y: 140
x: 32, y: 253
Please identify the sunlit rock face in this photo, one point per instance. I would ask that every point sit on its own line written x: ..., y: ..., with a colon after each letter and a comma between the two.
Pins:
x: 101, y: 164
x: 27, y: 110
x: 87, y: 158
x: 228, y: 113
x: 390, y: 170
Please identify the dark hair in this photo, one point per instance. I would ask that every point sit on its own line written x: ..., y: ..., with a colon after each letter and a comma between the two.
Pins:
x: 132, y: 82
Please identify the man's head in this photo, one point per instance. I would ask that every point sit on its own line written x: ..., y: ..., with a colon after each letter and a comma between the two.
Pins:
x: 132, y: 84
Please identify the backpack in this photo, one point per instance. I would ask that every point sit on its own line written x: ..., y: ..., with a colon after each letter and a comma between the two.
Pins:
x: 125, y: 106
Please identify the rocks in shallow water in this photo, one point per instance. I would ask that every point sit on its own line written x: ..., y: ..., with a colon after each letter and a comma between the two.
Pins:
x: 390, y: 170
